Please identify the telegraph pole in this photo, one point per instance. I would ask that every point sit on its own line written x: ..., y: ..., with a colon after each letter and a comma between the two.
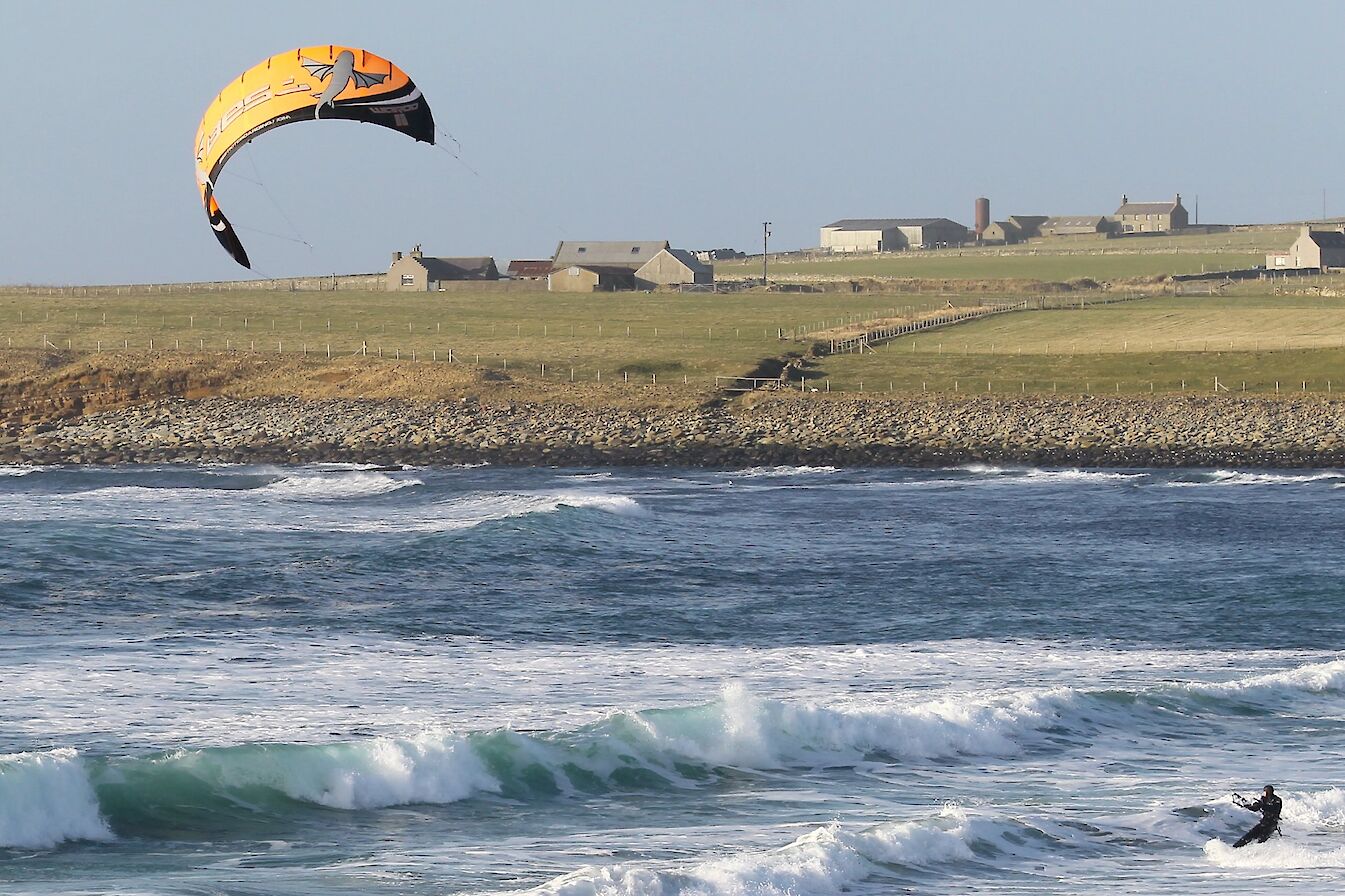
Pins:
x: 765, y: 242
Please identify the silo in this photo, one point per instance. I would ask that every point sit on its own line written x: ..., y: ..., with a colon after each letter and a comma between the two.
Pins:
x: 982, y: 216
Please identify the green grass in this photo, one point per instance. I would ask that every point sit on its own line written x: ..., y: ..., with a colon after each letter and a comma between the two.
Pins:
x: 983, y: 265
x: 1158, y: 344
x: 691, y: 338
x: 672, y: 336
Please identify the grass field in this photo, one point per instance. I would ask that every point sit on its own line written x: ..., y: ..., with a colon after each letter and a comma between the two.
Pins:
x: 686, y: 340
x: 1048, y: 260
x: 979, y: 264
x: 1159, y: 344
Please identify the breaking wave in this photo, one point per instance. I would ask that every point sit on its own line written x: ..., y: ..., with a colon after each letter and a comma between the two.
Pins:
x: 46, y: 799
x: 1234, y: 477
x: 829, y: 859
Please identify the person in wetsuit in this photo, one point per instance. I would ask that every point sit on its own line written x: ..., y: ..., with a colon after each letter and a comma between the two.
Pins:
x: 1269, y: 805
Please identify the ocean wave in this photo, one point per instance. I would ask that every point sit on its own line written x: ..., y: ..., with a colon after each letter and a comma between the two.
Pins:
x: 1235, y: 477
x: 1314, y: 678
x: 774, y: 472
x: 46, y: 799
x: 469, y: 512
x: 1275, y: 853
x: 19, y: 470
x: 334, y: 487
x: 829, y: 859
x: 681, y: 747
x: 1040, y: 475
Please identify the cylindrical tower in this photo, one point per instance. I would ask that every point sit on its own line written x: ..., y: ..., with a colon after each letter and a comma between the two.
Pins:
x: 982, y: 216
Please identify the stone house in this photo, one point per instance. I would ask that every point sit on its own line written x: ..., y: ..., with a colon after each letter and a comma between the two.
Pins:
x: 1313, y: 250
x: 1151, y: 217
x: 417, y: 272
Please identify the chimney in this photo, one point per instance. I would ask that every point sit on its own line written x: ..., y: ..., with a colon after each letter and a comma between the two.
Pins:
x: 396, y: 257
x: 415, y: 252
x: 1179, y: 198
x: 1125, y: 200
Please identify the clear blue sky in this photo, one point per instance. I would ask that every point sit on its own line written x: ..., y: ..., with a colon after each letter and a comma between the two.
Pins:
x: 688, y: 121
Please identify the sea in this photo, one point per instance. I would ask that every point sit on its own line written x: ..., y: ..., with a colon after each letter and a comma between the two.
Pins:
x: 334, y: 679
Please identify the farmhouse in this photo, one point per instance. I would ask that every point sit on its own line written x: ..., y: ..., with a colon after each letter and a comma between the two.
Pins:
x: 1150, y: 217
x: 891, y: 234
x: 1313, y: 250
x: 417, y: 272
x: 602, y: 266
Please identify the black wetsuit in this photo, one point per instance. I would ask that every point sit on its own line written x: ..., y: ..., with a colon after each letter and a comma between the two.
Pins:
x: 1269, y: 807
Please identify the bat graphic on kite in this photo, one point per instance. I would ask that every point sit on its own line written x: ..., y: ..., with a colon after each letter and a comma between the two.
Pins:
x: 306, y: 84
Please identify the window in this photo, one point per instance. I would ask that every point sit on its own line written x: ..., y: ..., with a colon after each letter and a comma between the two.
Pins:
x: 582, y: 249
x: 408, y: 280
x: 634, y: 250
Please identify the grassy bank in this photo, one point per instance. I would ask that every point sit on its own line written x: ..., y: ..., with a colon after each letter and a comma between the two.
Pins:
x: 1156, y: 344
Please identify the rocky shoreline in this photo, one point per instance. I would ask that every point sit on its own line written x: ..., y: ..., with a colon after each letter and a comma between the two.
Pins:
x: 1191, y: 431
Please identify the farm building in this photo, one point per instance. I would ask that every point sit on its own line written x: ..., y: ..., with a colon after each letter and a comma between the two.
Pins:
x: 1017, y: 229
x: 1150, y: 217
x: 1313, y: 250
x: 528, y: 269
x: 602, y: 266
x: 891, y: 234
x: 590, y: 278
x: 1074, y: 225
x: 673, y: 267
x: 417, y: 272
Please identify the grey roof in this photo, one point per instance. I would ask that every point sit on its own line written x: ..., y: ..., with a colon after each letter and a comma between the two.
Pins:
x: 1028, y: 220
x: 1006, y: 226
x: 470, y: 268
x: 1074, y: 221
x: 1148, y: 208
x: 886, y: 223
x: 1327, y: 239
x: 586, y: 253
x: 692, y: 263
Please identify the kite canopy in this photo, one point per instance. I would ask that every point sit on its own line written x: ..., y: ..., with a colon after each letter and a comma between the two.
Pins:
x: 302, y: 85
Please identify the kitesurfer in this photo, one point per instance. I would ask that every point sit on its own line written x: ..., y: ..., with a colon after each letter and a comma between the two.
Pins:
x: 1269, y: 805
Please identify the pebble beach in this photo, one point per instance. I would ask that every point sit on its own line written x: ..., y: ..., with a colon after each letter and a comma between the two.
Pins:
x: 1196, y: 431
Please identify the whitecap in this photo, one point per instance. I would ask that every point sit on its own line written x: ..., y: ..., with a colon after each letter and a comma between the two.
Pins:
x: 46, y: 799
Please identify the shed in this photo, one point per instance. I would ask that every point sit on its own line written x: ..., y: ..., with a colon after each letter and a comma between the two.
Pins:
x: 673, y: 267
x: 590, y: 278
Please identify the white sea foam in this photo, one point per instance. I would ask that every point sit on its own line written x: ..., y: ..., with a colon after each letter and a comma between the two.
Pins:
x: 469, y: 512
x: 1314, y: 678
x: 774, y: 472
x: 1235, y: 477
x: 46, y: 799
x: 829, y: 859
x: 1275, y: 853
x: 22, y: 470
x: 1324, y: 809
x: 361, y: 775
x: 1033, y: 475
x: 335, y: 487
x: 743, y: 730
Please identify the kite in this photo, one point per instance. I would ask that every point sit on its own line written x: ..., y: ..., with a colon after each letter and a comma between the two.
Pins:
x: 307, y: 84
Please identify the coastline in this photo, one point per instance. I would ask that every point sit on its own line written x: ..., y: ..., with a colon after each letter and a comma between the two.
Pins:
x: 766, y: 429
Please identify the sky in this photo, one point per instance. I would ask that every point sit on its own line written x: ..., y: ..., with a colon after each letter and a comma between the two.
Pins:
x: 687, y: 121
